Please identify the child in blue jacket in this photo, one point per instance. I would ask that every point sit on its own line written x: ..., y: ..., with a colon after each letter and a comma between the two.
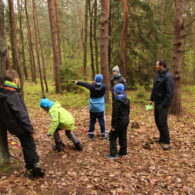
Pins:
x: 96, y: 105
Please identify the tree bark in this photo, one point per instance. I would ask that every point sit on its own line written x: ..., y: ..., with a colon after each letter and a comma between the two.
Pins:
x: 55, y: 44
x: 104, y: 33
x: 20, y: 12
x: 177, y: 54
x: 91, y: 39
x: 123, y: 52
x: 35, y: 21
x: 4, y: 152
x: 31, y: 52
x: 85, y: 41
x: 14, y: 43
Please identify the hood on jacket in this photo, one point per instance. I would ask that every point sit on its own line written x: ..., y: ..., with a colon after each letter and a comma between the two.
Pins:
x: 4, y: 93
x: 122, y: 98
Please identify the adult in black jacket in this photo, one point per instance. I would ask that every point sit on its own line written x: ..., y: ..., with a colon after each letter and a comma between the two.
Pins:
x: 116, y: 79
x: 14, y: 118
x: 119, y: 122
x: 161, y: 95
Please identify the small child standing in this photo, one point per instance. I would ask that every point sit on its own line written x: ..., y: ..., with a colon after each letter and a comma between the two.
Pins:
x: 119, y: 122
x: 61, y: 119
x: 97, y: 105
x: 14, y: 118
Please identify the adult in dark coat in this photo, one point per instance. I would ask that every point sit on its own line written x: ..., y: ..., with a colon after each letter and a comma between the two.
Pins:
x: 161, y: 95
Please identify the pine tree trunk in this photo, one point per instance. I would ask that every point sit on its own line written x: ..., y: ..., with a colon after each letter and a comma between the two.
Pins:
x: 14, y: 43
x: 55, y: 44
x: 193, y: 44
x: 91, y: 39
x: 20, y: 11
x: 123, y: 52
x: 37, y: 44
x: 177, y: 54
x: 4, y: 152
x: 95, y: 37
x: 104, y: 33
x: 85, y: 41
x: 31, y: 52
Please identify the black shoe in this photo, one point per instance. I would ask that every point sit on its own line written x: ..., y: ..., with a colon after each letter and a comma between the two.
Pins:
x: 78, y: 146
x: 90, y: 136
x: 165, y: 146
x: 104, y: 137
x: 36, y: 172
x: 60, y: 147
x: 122, y: 154
x: 111, y: 157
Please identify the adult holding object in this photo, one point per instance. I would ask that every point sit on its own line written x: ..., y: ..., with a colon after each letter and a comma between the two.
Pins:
x: 161, y: 95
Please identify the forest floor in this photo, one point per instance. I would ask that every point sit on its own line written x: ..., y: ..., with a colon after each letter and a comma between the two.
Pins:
x: 88, y: 172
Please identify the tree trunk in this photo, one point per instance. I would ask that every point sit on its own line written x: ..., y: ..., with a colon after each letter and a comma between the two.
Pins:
x: 123, y: 52
x: 31, y: 52
x: 104, y: 32
x: 85, y: 41
x: 177, y: 54
x: 95, y: 37
x: 20, y: 12
x: 193, y: 43
x: 35, y: 21
x: 91, y: 39
x: 4, y: 152
x: 14, y: 43
x: 55, y: 44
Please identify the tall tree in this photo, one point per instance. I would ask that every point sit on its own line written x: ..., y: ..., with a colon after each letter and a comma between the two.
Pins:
x: 31, y: 52
x: 35, y: 22
x: 85, y: 41
x: 123, y: 52
x: 91, y: 38
x: 55, y: 44
x: 177, y: 53
x: 104, y: 34
x: 4, y: 152
x: 14, y: 42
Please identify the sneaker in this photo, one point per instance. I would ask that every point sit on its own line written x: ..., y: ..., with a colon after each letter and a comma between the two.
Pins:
x: 165, y: 146
x: 109, y: 156
x: 78, y: 146
x: 122, y: 154
x: 90, y: 136
x: 104, y: 137
x: 36, y: 172
x: 59, y: 147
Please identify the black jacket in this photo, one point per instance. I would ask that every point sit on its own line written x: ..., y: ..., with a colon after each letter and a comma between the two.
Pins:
x: 163, y: 88
x: 13, y: 113
x: 96, y: 91
x: 116, y: 80
x: 120, y: 113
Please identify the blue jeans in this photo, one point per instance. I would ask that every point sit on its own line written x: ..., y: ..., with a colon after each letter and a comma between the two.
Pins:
x: 100, y: 117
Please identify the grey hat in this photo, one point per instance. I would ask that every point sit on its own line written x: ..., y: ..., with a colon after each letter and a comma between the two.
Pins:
x: 115, y: 69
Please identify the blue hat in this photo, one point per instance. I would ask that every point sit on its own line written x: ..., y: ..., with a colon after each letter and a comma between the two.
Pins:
x: 98, y: 79
x: 119, y: 88
x: 46, y: 103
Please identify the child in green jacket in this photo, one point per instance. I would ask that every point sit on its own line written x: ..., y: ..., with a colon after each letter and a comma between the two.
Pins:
x: 61, y: 119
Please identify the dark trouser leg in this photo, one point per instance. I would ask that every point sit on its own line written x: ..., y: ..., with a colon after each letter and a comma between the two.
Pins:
x: 71, y: 137
x: 156, y: 117
x: 101, y: 120
x: 123, y: 140
x: 57, y: 138
x: 92, y: 123
x: 113, y: 147
x: 164, y: 131
x: 29, y: 150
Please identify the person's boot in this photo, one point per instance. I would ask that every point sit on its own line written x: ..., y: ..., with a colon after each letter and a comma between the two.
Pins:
x: 78, y: 146
x: 59, y: 147
x: 36, y: 172
x: 165, y: 146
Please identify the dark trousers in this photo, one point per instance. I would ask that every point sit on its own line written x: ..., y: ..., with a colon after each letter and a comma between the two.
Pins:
x: 160, y: 115
x: 120, y: 133
x: 93, y: 117
x: 69, y: 135
x: 29, y: 150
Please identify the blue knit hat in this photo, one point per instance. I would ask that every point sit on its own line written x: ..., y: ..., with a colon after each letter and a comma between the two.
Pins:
x: 119, y: 89
x: 98, y: 79
x: 46, y: 103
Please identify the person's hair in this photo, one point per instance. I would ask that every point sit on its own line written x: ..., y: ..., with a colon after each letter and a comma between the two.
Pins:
x: 11, y: 74
x: 162, y: 63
